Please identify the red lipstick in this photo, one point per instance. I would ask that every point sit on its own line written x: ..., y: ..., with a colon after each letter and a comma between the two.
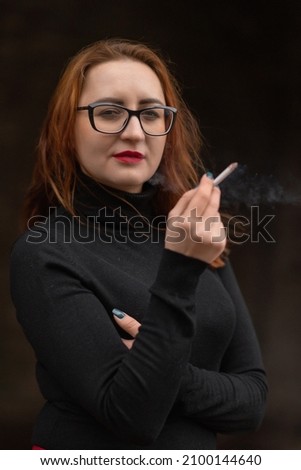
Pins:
x: 129, y: 156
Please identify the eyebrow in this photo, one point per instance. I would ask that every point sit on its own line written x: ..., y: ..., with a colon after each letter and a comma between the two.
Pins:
x: 110, y: 99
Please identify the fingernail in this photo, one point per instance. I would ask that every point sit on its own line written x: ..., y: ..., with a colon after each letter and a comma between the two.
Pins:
x: 118, y: 313
x: 209, y: 175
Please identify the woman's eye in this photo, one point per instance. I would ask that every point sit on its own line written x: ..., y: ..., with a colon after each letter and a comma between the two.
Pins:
x: 108, y: 113
x: 151, y: 114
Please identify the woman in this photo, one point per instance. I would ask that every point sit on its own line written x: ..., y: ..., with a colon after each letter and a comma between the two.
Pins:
x: 113, y: 226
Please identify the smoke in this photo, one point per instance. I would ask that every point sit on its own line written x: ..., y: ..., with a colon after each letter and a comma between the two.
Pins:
x: 158, y: 179
x: 243, y: 188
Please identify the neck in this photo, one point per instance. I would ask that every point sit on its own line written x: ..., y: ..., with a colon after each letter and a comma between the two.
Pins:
x: 91, y: 196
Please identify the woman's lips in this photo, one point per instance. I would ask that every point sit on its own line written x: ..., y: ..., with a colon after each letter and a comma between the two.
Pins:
x: 129, y: 156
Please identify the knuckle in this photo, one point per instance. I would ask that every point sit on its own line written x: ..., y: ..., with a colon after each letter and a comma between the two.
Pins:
x: 132, y: 323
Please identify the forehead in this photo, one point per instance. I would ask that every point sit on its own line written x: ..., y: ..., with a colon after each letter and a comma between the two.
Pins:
x: 124, y: 78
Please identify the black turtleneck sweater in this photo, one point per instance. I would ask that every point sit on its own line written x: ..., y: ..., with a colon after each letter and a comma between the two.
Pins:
x: 195, y: 367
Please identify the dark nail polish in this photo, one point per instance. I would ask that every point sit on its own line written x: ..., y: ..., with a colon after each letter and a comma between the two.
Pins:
x: 209, y: 175
x: 118, y: 313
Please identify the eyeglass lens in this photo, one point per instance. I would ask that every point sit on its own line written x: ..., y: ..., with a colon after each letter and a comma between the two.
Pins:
x: 113, y: 119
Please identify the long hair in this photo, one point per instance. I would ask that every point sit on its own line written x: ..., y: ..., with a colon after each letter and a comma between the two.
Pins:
x: 55, y: 171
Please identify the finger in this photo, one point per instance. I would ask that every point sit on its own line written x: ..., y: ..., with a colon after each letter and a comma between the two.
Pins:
x: 202, y: 195
x: 213, y: 203
x: 182, y: 203
x: 126, y: 322
x: 128, y: 342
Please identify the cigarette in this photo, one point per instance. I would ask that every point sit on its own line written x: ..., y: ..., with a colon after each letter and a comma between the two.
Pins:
x: 227, y: 171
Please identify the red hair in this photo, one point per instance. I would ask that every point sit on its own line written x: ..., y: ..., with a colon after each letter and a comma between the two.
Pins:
x: 55, y: 172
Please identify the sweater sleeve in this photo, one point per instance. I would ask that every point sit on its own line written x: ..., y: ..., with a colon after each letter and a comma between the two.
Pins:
x: 232, y: 399
x: 77, y: 344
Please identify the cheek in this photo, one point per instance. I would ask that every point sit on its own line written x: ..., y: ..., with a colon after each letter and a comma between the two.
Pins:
x: 80, y: 137
x: 158, y: 149
x: 88, y: 141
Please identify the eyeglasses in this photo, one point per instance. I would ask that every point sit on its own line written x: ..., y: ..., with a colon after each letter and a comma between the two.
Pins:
x: 110, y: 118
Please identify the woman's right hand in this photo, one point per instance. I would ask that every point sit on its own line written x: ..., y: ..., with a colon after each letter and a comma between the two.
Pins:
x: 194, y: 226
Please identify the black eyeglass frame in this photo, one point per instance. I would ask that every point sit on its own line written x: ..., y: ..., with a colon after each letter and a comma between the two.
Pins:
x: 90, y: 108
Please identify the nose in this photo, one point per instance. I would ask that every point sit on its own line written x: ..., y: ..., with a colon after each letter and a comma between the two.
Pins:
x: 133, y: 129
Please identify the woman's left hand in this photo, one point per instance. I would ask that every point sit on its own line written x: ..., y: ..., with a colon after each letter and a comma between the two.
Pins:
x: 131, y: 326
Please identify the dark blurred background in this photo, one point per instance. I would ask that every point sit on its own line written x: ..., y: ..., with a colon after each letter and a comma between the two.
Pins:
x: 238, y: 63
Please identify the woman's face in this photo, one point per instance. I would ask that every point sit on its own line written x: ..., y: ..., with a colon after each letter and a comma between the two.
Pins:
x: 108, y: 158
